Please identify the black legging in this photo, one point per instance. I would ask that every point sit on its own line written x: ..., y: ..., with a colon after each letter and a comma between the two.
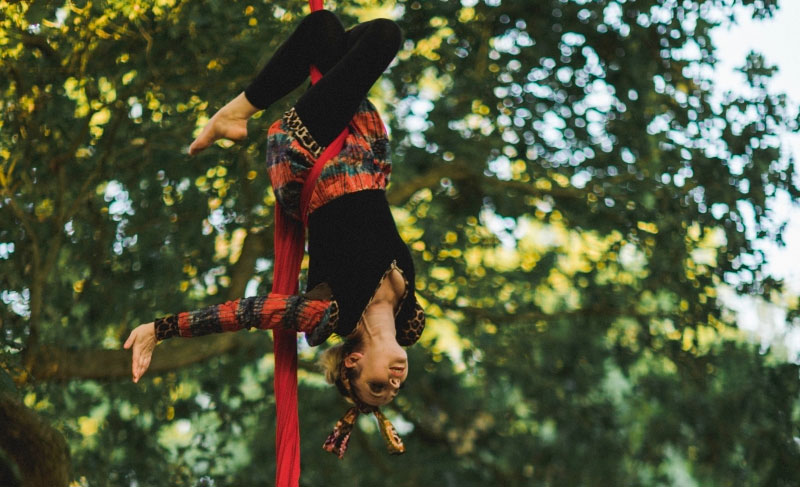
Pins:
x: 351, y: 61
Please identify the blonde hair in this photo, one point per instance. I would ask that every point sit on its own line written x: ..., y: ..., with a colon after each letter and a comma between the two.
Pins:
x: 330, y: 361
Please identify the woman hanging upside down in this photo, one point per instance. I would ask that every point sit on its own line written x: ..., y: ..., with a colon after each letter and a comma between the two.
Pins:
x: 360, y: 276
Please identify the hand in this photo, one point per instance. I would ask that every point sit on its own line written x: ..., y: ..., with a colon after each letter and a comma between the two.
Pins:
x: 143, y: 341
x: 230, y: 122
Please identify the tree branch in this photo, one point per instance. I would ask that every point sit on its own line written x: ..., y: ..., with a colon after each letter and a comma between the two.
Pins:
x: 62, y: 364
x: 399, y: 194
x: 39, y: 42
x: 83, y: 193
x: 497, y: 316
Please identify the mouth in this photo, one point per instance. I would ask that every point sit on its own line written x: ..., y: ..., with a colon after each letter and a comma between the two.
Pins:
x: 397, y: 371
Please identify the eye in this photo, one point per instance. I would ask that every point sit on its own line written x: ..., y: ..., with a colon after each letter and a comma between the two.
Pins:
x: 376, y: 387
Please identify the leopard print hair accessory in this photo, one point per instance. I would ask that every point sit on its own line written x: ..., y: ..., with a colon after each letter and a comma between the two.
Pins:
x: 338, y: 439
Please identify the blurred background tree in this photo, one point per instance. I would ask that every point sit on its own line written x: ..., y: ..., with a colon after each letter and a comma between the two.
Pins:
x: 571, y: 185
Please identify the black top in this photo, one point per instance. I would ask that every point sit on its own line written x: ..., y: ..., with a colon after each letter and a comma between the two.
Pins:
x: 352, y: 243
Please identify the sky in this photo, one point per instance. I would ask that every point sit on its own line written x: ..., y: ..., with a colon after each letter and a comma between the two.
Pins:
x: 778, y: 39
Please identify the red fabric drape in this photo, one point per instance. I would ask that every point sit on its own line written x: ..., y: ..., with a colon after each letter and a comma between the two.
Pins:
x: 288, y: 235
x: 315, y: 5
x: 289, y: 249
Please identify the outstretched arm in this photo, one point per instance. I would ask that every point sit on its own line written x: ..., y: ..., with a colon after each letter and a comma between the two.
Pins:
x: 265, y: 312
x: 302, y: 313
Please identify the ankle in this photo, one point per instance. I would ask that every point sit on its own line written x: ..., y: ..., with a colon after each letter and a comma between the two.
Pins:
x: 239, y: 108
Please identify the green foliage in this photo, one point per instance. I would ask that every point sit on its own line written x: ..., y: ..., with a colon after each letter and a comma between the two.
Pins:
x: 573, y: 191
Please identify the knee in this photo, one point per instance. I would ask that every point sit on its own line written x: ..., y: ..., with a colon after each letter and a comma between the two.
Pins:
x: 386, y: 33
x: 323, y: 21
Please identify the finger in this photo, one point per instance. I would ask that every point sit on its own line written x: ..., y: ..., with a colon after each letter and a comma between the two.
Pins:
x: 142, y: 364
x: 195, y: 148
x: 146, y: 365
x: 129, y: 341
x: 135, y: 364
x: 201, y: 142
x: 144, y: 361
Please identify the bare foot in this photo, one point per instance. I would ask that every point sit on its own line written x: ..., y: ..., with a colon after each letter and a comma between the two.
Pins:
x: 230, y: 122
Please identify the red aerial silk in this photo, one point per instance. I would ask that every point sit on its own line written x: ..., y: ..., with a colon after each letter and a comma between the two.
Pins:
x: 289, y: 249
x: 315, y: 5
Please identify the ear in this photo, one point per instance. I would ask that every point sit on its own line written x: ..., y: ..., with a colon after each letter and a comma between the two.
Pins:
x: 351, y: 360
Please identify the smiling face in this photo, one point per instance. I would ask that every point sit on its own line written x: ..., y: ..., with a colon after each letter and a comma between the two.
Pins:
x: 380, y: 373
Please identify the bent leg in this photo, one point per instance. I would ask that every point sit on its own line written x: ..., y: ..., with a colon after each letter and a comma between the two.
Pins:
x: 328, y: 106
x: 319, y: 39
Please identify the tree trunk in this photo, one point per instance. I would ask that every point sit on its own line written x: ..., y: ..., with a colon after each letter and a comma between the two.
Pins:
x: 38, y: 451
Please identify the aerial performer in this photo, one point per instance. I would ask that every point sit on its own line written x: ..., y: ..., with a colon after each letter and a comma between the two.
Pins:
x: 328, y: 161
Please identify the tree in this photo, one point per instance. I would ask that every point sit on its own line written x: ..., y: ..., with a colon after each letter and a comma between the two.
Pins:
x: 594, y: 194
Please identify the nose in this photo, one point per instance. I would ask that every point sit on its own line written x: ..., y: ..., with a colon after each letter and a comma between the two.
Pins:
x: 395, y: 382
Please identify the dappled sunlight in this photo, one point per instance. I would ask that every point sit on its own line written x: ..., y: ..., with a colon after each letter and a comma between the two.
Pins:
x: 585, y: 208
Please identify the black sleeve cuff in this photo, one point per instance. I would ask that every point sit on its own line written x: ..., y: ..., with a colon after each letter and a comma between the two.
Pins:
x: 257, y: 96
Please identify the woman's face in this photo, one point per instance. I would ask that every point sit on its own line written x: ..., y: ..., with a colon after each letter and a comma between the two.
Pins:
x: 381, y: 372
